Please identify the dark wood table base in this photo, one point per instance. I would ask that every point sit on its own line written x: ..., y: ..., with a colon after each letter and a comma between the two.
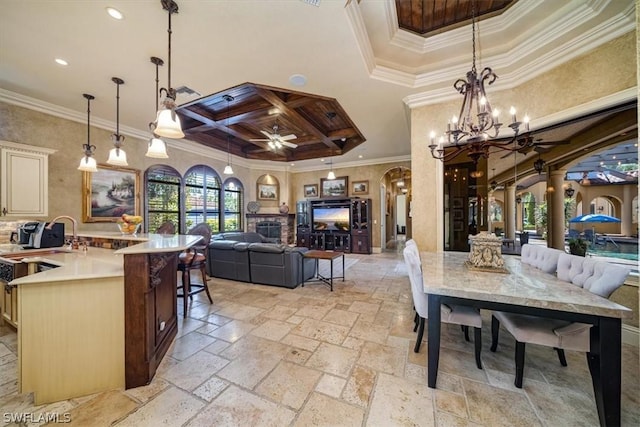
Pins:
x: 328, y: 255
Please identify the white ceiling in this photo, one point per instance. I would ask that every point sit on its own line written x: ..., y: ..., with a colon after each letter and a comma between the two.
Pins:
x: 352, y: 52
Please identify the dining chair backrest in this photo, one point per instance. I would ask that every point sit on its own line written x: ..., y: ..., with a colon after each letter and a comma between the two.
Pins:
x: 167, y: 227
x: 599, y: 277
x: 412, y: 260
x: 541, y: 257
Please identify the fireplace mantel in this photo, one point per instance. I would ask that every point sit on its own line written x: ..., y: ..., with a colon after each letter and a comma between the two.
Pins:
x: 286, y: 221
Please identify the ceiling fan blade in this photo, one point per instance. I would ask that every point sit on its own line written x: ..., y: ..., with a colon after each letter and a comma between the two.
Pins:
x: 259, y: 140
x: 288, y: 144
x: 287, y: 137
x: 265, y: 133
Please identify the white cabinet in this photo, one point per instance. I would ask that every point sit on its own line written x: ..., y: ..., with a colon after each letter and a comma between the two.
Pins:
x: 24, y: 186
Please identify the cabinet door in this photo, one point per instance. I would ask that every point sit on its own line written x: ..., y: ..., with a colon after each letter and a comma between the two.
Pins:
x: 360, y: 244
x: 24, y: 180
x: 9, y: 304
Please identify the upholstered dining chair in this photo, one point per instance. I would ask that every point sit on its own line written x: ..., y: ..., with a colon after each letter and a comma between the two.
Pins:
x: 598, y: 277
x: 459, y: 315
x: 195, y: 258
x: 167, y: 227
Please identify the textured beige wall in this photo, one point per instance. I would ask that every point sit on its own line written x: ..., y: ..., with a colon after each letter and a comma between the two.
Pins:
x: 606, y: 70
x: 373, y: 173
x: 26, y: 126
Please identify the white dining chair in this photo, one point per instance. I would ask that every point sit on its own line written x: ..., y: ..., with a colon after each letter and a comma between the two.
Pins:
x: 459, y: 315
x: 598, y: 277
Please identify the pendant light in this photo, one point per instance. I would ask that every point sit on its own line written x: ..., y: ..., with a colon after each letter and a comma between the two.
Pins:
x: 228, y: 170
x: 117, y: 156
x: 157, y: 148
x: 167, y: 123
x: 88, y: 163
x: 331, y: 175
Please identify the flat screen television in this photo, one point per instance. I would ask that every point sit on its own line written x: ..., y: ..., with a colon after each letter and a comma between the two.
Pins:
x: 333, y: 218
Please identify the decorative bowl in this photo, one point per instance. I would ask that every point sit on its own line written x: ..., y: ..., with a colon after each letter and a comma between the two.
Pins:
x: 128, y: 227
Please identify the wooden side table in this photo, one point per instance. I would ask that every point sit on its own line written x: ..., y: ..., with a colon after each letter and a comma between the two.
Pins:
x: 328, y: 255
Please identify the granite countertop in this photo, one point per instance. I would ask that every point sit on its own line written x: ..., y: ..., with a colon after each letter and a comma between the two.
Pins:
x: 97, y: 262
x: 446, y: 274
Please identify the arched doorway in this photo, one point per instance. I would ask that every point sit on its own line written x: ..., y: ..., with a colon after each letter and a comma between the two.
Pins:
x: 395, y: 206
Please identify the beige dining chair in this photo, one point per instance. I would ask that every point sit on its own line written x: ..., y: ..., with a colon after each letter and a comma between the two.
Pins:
x: 456, y: 314
x: 598, y: 277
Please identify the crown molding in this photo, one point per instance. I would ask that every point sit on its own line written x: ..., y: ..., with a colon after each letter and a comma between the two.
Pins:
x: 530, y: 54
x: 351, y: 164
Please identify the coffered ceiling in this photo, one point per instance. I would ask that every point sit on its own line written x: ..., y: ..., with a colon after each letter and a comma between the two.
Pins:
x: 242, y: 117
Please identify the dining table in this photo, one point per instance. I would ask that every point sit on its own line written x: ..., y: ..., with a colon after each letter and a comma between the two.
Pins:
x: 522, y: 288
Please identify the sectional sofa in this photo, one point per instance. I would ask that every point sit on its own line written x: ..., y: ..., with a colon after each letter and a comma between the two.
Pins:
x: 249, y: 257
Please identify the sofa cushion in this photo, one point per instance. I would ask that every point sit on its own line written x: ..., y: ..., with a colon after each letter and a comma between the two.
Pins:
x: 541, y: 257
x: 240, y: 236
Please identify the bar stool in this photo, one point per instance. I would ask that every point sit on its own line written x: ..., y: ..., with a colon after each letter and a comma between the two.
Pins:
x: 195, y: 258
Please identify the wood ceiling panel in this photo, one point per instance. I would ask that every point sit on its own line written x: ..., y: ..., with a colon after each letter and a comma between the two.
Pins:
x: 429, y: 17
x: 321, y: 126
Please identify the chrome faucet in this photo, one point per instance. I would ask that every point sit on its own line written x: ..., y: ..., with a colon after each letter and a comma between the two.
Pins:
x: 74, y: 241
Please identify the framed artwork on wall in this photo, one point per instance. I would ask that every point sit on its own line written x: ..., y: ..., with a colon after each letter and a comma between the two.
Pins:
x: 109, y: 193
x: 360, y: 187
x: 311, y: 190
x: 267, y: 192
x: 334, y: 187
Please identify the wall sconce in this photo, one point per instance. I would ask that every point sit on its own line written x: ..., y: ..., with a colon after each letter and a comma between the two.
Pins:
x: 539, y: 164
x: 518, y: 199
x: 569, y: 191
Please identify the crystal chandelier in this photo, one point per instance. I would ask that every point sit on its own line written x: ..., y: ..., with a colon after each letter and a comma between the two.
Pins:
x: 474, y: 131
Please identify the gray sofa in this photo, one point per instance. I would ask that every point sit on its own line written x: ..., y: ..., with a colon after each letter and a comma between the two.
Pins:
x: 249, y: 257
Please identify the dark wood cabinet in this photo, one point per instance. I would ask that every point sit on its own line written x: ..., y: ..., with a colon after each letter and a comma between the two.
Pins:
x: 150, y: 313
x: 361, y: 226
x: 335, y: 233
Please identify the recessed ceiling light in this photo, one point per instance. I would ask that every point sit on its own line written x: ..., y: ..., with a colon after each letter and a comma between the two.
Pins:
x: 61, y: 61
x: 359, y: 156
x: 293, y: 164
x: 322, y: 160
x: 298, y: 80
x: 115, y: 13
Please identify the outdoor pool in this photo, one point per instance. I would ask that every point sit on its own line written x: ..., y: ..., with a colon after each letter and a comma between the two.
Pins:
x: 623, y: 250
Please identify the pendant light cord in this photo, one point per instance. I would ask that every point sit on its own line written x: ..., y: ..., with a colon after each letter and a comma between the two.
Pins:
x: 473, y: 33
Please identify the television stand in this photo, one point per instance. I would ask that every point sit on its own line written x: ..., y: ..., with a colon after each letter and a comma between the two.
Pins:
x: 330, y: 241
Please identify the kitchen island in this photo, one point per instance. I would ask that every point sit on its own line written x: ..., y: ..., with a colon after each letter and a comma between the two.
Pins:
x: 102, y: 320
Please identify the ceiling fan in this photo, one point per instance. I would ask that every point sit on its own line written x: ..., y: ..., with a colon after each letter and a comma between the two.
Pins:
x: 275, y: 140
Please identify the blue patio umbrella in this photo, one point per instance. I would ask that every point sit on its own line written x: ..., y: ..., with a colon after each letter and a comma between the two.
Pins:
x: 594, y: 218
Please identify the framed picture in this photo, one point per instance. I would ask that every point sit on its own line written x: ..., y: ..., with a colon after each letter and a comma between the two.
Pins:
x: 458, y: 214
x: 458, y: 226
x: 109, y: 193
x: 334, y: 187
x: 267, y: 192
x: 458, y: 202
x: 360, y: 187
x: 311, y: 190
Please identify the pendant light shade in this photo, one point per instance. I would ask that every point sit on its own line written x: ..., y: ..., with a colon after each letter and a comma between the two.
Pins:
x: 117, y: 156
x: 228, y: 170
x: 167, y: 123
x: 88, y: 163
x: 331, y: 175
x: 157, y: 149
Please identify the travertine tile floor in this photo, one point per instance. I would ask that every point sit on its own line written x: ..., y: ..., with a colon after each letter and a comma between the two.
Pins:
x: 263, y: 355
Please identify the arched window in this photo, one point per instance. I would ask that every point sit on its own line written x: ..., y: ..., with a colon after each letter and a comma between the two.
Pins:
x: 233, y: 203
x: 162, y: 184
x: 202, y: 197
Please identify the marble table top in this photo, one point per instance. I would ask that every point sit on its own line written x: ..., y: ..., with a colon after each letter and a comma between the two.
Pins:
x: 444, y: 273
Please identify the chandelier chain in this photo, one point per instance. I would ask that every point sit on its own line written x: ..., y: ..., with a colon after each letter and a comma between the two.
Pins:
x: 473, y: 33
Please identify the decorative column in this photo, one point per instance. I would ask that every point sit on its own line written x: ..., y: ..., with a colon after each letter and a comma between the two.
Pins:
x: 626, y: 214
x: 510, y: 211
x: 555, y: 209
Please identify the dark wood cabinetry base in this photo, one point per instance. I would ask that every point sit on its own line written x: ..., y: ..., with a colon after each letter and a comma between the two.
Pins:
x: 150, y: 313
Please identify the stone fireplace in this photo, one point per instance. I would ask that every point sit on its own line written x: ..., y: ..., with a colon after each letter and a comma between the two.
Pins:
x: 266, y: 223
